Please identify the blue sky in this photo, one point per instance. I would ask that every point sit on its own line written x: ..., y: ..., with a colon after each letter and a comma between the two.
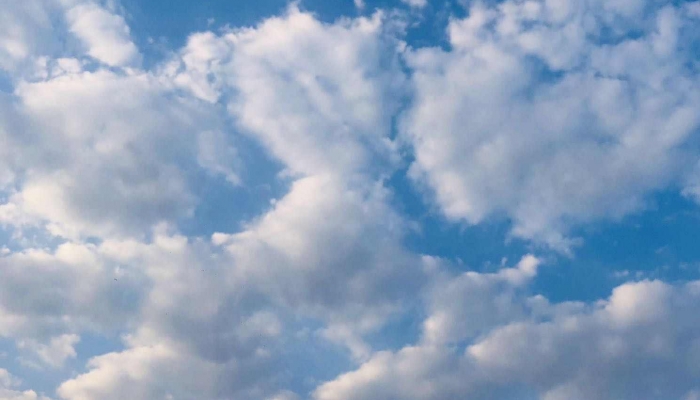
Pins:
x: 339, y: 200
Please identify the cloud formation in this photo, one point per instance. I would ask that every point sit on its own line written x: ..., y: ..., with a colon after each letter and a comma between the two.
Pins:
x: 551, y: 115
x: 555, y: 114
x: 640, y: 343
x: 8, y: 384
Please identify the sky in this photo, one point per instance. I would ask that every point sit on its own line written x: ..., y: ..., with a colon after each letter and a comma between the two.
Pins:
x: 345, y: 200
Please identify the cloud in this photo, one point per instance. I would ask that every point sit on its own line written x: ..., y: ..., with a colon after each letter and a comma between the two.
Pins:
x: 25, y: 29
x: 221, y: 309
x: 216, y: 155
x: 55, y: 353
x: 325, y: 252
x: 104, y: 169
x: 554, y: 114
x: 28, y: 38
x: 141, y: 373
x: 104, y: 33
x: 320, y: 97
x: 416, y: 3
x: 8, y: 385
x: 331, y: 252
x: 173, y: 300
x: 640, y: 343
x: 474, y: 303
x: 79, y: 294
x: 539, y: 111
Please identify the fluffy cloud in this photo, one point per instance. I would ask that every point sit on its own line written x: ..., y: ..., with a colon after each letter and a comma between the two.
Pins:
x: 28, y: 38
x: 25, y: 29
x: 104, y: 33
x: 221, y: 309
x: 332, y: 252
x: 641, y: 343
x: 473, y: 303
x: 553, y: 113
x: 100, y: 161
x: 319, y: 97
x: 325, y: 252
x: 78, y: 292
x: 56, y: 352
x: 8, y: 385
x: 141, y: 373
x: 104, y: 169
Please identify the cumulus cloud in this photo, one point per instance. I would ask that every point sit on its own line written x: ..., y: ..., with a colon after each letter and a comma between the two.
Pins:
x: 332, y: 252
x: 55, y: 353
x: 218, y: 308
x: 326, y: 252
x: 104, y: 171
x: 539, y: 111
x: 141, y: 373
x: 27, y: 35
x: 8, y: 386
x: 553, y: 114
x: 473, y: 303
x: 78, y: 293
x: 105, y: 34
x: 28, y: 38
x: 640, y: 343
x: 320, y: 97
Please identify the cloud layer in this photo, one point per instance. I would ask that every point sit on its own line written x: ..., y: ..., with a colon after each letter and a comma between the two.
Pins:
x: 550, y: 115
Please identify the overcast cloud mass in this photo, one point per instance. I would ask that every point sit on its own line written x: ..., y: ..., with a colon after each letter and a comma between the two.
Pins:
x: 349, y: 200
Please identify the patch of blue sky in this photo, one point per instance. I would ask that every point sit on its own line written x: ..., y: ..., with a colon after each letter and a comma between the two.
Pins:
x: 660, y: 242
x: 42, y: 380
x: 478, y: 247
x: 400, y: 330
x: 320, y: 360
x: 225, y: 207
x: 90, y: 345
x: 6, y: 84
x: 18, y: 239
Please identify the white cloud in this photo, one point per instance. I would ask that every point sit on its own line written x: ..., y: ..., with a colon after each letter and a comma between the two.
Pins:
x: 8, y: 386
x: 55, y: 353
x: 320, y: 97
x: 103, y: 171
x: 113, y: 155
x: 332, y: 251
x: 474, y: 303
x: 416, y: 3
x: 617, y: 348
x: 28, y: 34
x: 194, y: 70
x: 531, y: 116
x: 104, y: 33
x: 78, y: 293
x: 326, y: 252
x: 25, y: 31
x: 141, y: 373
